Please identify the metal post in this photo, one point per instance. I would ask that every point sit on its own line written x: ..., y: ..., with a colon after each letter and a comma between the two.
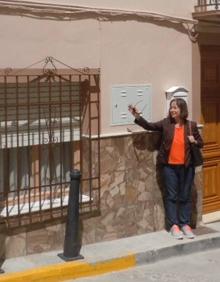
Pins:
x: 72, y: 244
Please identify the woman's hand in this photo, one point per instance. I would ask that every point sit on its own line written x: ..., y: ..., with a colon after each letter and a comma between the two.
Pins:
x: 192, y: 139
x: 134, y: 111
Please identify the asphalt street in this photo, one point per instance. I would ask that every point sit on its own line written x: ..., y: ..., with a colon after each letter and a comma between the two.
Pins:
x: 196, y: 267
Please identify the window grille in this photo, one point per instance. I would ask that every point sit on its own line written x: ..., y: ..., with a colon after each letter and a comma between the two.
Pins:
x: 209, y: 4
x: 49, y: 125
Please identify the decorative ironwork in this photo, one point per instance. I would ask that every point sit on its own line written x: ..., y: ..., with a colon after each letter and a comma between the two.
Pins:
x: 209, y: 3
x: 192, y: 32
x: 47, y: 123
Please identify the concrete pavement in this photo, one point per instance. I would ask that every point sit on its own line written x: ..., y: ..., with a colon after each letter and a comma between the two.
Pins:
x: 195, y: 267
x: 109, y: 256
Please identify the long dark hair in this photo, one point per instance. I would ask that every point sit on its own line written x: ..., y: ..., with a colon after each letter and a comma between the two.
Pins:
x: 181, y: 103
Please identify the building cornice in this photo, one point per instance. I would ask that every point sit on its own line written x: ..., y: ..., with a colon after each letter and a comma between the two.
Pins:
x: 56, y: 10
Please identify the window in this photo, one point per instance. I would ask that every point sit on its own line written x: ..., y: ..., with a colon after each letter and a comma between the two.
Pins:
x: 47, y: 124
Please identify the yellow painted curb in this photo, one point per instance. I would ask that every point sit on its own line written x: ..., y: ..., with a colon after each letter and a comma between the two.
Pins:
x: 69, y: 270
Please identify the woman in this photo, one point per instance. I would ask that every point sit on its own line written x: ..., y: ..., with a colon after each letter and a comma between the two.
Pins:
x: 175, y: 158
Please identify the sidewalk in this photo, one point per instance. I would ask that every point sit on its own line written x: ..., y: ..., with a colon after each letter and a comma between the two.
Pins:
x: 109, y: 256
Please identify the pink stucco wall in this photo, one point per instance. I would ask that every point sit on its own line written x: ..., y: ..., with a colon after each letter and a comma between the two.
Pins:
x: 127, y: 52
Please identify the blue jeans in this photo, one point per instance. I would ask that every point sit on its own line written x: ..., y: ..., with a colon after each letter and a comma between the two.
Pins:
x: 178, y: 181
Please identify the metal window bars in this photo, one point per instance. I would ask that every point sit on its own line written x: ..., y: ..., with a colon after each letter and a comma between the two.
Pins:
x: 49, y: 125
x: 209, y: 3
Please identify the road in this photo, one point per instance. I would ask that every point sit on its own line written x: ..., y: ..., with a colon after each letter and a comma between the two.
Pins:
x: 197, y: 267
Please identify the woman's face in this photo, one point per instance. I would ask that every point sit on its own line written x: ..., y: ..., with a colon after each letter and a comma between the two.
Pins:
x: 174, y: 110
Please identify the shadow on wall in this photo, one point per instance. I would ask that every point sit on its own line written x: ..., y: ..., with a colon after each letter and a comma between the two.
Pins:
x: 146, y: 141
x: 150, y: 142
x: 160, y: 20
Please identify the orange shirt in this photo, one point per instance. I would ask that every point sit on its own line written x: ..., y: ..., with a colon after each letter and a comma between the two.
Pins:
x: 177, y: 152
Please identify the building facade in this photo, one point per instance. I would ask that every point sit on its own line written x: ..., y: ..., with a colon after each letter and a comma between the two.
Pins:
x: 68, y: 73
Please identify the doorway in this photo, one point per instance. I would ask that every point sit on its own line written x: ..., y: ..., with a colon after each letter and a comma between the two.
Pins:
x: 210, y: 105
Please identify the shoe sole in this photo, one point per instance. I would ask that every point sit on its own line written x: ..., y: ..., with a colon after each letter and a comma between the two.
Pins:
x: 178, y: 237
x: 190, y: 237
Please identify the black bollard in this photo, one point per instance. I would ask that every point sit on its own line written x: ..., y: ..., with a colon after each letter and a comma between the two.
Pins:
x: 72, y: 244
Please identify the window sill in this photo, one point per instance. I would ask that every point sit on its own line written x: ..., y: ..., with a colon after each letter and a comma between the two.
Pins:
x: 14, y: 210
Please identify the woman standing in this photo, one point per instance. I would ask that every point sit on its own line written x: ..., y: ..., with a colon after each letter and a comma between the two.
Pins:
x: 175, y: 158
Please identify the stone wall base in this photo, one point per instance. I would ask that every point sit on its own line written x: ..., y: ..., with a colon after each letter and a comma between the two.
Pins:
x: 131, y: 200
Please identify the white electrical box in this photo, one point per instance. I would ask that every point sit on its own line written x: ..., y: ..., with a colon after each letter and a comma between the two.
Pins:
x: 137, y: 95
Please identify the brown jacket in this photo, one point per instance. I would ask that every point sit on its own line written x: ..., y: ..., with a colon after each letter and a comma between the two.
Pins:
x: 166, y: 127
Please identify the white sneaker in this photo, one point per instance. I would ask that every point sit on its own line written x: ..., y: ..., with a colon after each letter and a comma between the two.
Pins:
x: 175, y: 232
x: 187, y: 231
